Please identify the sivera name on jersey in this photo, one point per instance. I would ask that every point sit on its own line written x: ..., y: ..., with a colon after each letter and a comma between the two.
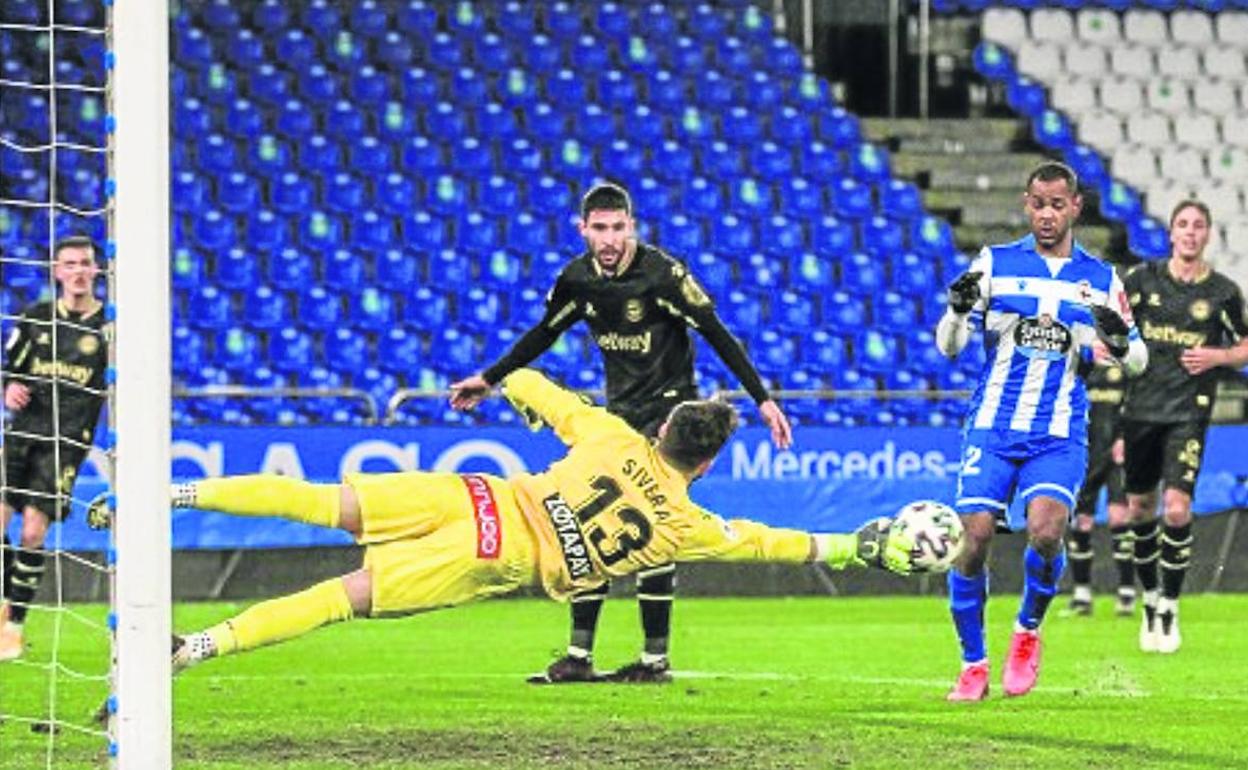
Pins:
x: 571, y: 541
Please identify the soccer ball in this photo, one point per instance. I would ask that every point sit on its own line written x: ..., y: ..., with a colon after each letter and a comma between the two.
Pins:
x: 936, y: 531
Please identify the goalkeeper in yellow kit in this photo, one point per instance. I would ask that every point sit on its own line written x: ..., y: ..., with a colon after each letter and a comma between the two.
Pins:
x: 616, y: 503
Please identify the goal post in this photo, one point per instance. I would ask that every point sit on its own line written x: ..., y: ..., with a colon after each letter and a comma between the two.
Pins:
x: 141, y: 616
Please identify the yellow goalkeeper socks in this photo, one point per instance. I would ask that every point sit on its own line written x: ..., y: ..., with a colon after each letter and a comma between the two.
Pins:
x: 280, y: 619
x: 270, y: 495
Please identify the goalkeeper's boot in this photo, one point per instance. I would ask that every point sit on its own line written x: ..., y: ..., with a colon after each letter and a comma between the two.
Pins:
x: 567, y: 670
x: 972, y: 684
x: 11, y: 643
x: 1022, y: 663
x: 1124, y: 605
x: 1168, y: 638
x: 641, y: 672
x: 1148, y: 624
x: 1080, y: 603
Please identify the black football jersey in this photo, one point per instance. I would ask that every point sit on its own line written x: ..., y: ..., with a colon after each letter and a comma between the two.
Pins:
x: 79, y: 361
x: 640, y: 320
x: 1107, y: 388
x: 1173, y: 316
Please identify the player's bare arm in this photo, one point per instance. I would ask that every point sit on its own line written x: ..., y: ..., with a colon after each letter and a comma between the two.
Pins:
x: 1201, y: 359
x: 16, y: 396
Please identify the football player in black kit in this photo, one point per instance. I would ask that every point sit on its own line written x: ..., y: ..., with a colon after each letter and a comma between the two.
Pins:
x: 1193, y: 320
x: 61, y: 342
x: 639, y: 304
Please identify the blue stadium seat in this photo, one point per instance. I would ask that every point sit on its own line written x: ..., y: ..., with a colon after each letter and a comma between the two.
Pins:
x: 900, y: 199
x: 761, y: 92
x: 1088, y: 166
x: 742, y: 311
x: 651, y: 197
x: 822, y: 351
x: 680, y: 235
x: 774, y: 353
x: 666, y: 91
x: 346, y: 351
x: 913, y: 275
x: 881, y: 237
x: 1119, y: 203
x: 189, y: 192
x: 453, y: 351
x: 771, y: 161
x: 844, y: 312
x: 499, y: 195
x: 781, y: 236
x: 469, y: 87
x: 1148, y: 238
x: 397, y: 268
x: 639, y: 57
x: 752, y: 197
x: 192, y: 118
x: 838, y: 128
x: 427, y: 308
x: 641, y: 125
x: 369, y: 156
x: 424, y: 232
x: 243, y: 120
x: 761, y: 271
x: 811, y: 272
x: 732, y: 237
x: 217, y: 154
x: 187, y: 349
x: 875, y: 351
x: 741, y: 126
x: 320, y: 232
x: 1025, y: 96
x: 372, y: 231
x: 399, y: 351
x: 790, y: 126
x: 516, y: 88
x: 451, y: 268
x: 712, y: 272
x: 344, y: 270
x: 213, y: 231
x: 800, y: 199
x: 563, y: 21
x: 922, y: 354
x: 616, y: 90
x: 295, y: 121
x: 477, y: 233
x: 722, y: 161
x: 622, y: 160
x: 570, y: 161
x: 522, y: 158
x: 447, y: 195
x: 491, y: 53
x: 291, y: 351
x: 396, y: 194
x: 236, y: 270
x: 237, y: 349
x: 321, y: 18
x: 447, y: 120
x: 238, y: 193
x: 322, y: 155
x: 546, y: 124
x: 421, y: 87
x: 217, y: 85
x: 588, y: 54
x: 289, y: 269
x: 270, y: 16
x: 394, y: 52
x: 502, y: 270
x: 269, y: 156
x: 444, y: 52
x: 809, y: 93
x: 266, y: 231
x: 852, y: 199
x: 194, y: 47
x: 268, y: 85
x: 319, y: 87
x: 794, y: 311
x: 481, y: 309
x: 417, y: 18
x: 993, y: 62
x: 550, y: 197
x: 869, y: 164
x: 264, y: 308
x: 895, y: 312
x: 186, y: 271
x: 734, y: 56
x: 832, y: 237
x: 932, y: 237
x: 528, y: 234
x: 673, y: 162
x: 1051, y: 129
x: 423, y: 157
x: 369, y: 18
x: 863, y: 274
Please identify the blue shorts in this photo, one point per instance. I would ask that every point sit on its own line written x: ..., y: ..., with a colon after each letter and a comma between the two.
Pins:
x: 997, y: 466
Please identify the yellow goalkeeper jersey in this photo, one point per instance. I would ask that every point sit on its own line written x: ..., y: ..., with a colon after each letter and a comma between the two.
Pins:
x: 613, y: 505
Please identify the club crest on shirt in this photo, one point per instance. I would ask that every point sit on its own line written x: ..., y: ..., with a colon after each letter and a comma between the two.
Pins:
x: 1084, y: 289
x: 1042, y: 337
x: 1114, y: 374
x: 634, y: 310
x: 88, y: 344
x: 1200, y: 310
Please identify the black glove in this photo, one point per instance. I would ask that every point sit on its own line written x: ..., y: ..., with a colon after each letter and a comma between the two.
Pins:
x: 964, y: 292
x: 1111, y: 330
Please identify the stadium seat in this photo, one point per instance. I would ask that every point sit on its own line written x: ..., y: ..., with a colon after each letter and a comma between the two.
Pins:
x: 397, y: 268
x: 344, y: 270
x: 794, y: 311
x: 875, y: 352
x: 476, y: 233
x: 844, y: 312
x: 187, y: 350
x: 742, y: 311
x: 932, y: 237
x: 423, y: 232
x: 852, y: 199
x: 372, y: 231
x: 894, y: 312
x: 291, y: 351
x: 881, y: 237
x: 237, y: 350
x: 209, y: 309
x: 832, y: 237
x: 236, y: 270
x: 481, y: 309
x: 741, y: 126
x: 680, y: 235
x: 912, y: 275
x: 732, y: 237
x: 264, y: 309
x: 445, y: 119
x: 498, y: 124
x: 762, y: 272
x: 346, y: 351
x: 394, y: 51
x: 396, y: 194
x: 320, y: 308
x: 426, y: 308
x: 289, y: 269
x: 399, y: 351
x: 421, y: 87
x: 528, y: 307
x: 453, y: 350
x: 863, y: 274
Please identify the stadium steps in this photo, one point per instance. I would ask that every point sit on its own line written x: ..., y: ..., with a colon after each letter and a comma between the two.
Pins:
x: 971, y: 172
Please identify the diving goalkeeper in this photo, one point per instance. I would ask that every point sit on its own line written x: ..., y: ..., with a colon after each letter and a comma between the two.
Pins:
x: 616, y: 503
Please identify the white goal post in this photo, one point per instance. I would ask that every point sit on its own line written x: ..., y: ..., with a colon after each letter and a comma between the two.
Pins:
x: 142, y: 725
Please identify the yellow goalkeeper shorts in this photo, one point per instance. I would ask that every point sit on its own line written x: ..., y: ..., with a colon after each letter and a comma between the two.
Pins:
x: 440, y: 539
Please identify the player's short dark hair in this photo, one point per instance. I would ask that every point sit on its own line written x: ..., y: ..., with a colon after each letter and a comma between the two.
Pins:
x: 606, y: 196
x: 73, y: 242
x: 696, y: 431
x: 1051, y: 171
x: 1191, y: 203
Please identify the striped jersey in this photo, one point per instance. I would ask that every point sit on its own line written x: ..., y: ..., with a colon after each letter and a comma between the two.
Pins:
x: 1037, y: 327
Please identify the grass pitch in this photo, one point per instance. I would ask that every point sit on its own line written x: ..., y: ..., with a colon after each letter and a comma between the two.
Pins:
x: 761, y: 683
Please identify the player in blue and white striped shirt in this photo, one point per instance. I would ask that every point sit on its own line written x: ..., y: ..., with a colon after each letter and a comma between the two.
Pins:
x: 1047, y: 307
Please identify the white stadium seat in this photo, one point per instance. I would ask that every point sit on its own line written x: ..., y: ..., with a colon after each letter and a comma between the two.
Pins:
x: 1199, y: 129
x: 1191, y: 27
x: 1088, y: 59
x: 1098, y: 25
x: 1101, y: 130
x: 1235, y: 128
x: 1178, y: 61
x: 1132, y: 61
x: 1041, y: 61
x: 1122, y: 95
x: 1134, y: 164
x: 1215, y: 96
x: 1182, y: 163
x: 1223, y: 199
x: 1229, y: 164
x: 1149, y: 128
x: 1224, y: 61
x: 1004, y: 26
x: 1073, y: 95
x: 1052, y: 24
x: 1145, y: 26
x: 1166, y: 95
x: 1161, y: 196
x: 1233, y: 28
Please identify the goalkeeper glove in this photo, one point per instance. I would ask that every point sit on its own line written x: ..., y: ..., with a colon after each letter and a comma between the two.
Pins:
x: 100, y: 511
x: 964, y: 292
x: 874, y: 544
x: 1111, y: 330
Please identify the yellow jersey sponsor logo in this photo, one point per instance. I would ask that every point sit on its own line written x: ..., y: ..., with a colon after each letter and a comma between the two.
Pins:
x: 626, y: 343
x: 1171, y: 334
x: 75, y: 372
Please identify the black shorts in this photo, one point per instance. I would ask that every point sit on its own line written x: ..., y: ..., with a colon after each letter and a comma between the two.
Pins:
x: 1165, y: 452
x: 31, y: 477
x: 646, y: 418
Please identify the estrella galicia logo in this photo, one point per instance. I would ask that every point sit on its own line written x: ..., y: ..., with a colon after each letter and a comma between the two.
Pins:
x: 1042, y: 337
